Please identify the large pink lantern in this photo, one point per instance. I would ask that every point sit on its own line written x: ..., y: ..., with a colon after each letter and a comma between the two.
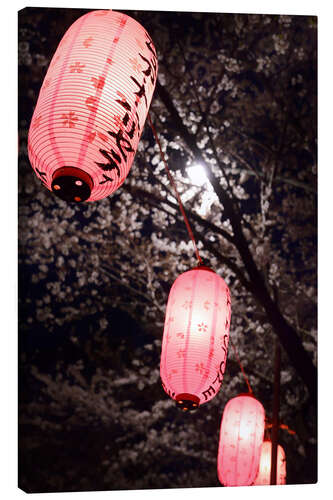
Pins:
x: 92, y: 106
x: 264, y: 473
x: 241, y: 438
x: 195, y: 338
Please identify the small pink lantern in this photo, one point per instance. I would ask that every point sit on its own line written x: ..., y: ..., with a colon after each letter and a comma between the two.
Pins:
x: 195, y: 338
x: 264, y: 473
x: 241, y: 438
x: 92, y: 106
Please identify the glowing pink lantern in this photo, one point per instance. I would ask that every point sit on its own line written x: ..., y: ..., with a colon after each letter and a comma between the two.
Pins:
x: 264, y: 473
x: 241, y: 438
x: 195, y: 338
x: 92, y: 106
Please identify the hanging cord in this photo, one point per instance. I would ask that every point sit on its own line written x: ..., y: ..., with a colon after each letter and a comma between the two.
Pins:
x: 241, y: 367
x: 188, y: 227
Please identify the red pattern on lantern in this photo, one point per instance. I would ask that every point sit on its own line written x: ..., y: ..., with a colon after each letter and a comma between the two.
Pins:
x: 193, y: 357
x: 74, y: 124
x: 264, y: 473
x: 241, y: 439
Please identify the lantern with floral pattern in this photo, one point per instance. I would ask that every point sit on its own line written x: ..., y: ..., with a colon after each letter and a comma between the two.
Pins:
x: 264, y: 472
x: 92, y: 106
x: 241, y: 438
x: 195, y: 338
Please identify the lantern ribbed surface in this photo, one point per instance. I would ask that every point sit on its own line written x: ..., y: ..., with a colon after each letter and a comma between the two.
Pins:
x: 92, y: 106
x: 241, y: 439
x: 195, y: 338
x: 264, y: 473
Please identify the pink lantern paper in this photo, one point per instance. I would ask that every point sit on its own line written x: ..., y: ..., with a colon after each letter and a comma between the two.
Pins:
x: 264, y: 473
x: 195, y: 338
x: 241, y: 438
x: 92, y: 106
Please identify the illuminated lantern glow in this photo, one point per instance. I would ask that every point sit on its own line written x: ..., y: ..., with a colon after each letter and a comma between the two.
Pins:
x: 195, y: 338
x: 241, y: 439
x: 264, y: 473
x: 92, y: 106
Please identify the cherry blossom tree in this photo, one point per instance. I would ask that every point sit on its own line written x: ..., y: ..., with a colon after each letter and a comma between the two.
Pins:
x: 235, y: 111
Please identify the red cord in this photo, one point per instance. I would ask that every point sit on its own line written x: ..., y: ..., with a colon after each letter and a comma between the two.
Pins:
x: 176, y: 193
x: 241, y: 367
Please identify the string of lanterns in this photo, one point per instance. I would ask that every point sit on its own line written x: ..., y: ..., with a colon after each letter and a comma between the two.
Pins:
x: 83, y: 136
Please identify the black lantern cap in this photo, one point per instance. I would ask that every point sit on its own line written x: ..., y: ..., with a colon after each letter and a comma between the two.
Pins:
x: 187, y: 402
x: 72, y: 184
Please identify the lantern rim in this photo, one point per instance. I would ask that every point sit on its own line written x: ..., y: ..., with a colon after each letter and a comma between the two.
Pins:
x: 250, y: 394
x: 187, y: 402
x: 72, y: 184
x: 205, y: 268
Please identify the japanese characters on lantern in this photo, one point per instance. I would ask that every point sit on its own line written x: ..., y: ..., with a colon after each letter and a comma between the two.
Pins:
x: 195, y: 338
x: 264, y: 472
x: 241, y: 439
x: 92, y: 106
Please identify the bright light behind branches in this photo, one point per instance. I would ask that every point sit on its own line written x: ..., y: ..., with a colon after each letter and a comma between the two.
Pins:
x: 197, y: 175
x: 198, y: 178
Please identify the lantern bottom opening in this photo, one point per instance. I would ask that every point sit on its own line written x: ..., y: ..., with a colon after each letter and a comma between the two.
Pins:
x: 72, y: 184
x: 187, y: 402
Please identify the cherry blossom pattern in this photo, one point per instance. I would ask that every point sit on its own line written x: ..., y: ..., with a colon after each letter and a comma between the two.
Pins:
x: 98, y: 82
x: 181, y: 353
x: 36, y: 122
x: 92, y: 136
x: 200, y: 367
x: 135, y: 64
x: 91, y: 103
x: 69, y: 119
x: 87, y: 42
x: 77, y: 67
x: 211, y: 354
x: 202, y: 327
x: 121, y: 21
x: 139, y: 44
x: 172, y: 372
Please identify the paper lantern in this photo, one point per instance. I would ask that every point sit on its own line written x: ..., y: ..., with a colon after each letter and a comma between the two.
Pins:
x: 264, y: 473
x: 92, y: 106
x: 241, y: 438
x: 195, y: 338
